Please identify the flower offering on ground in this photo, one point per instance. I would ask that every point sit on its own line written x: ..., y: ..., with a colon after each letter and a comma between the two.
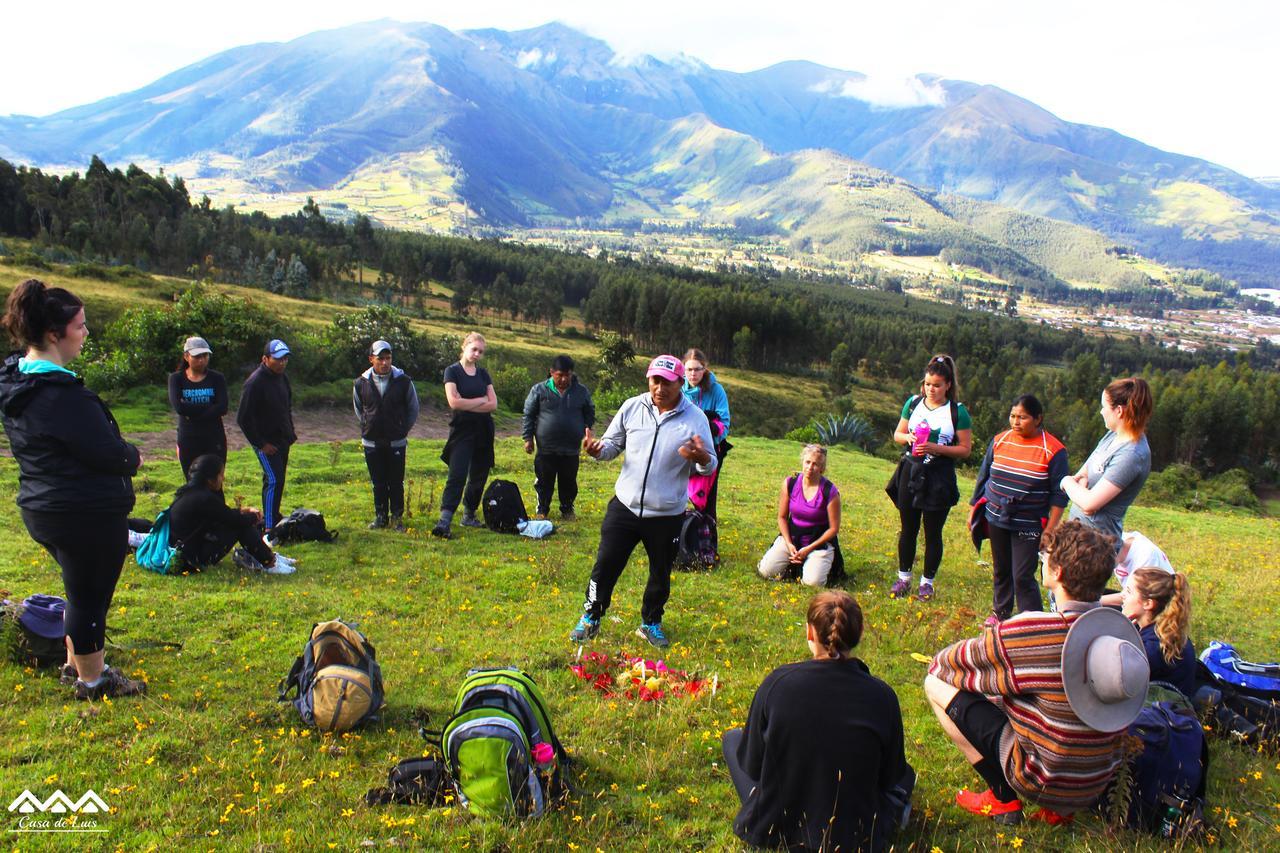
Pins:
x: 638, y: 678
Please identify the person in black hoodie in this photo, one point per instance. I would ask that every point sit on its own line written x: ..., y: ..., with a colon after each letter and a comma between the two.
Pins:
x: 74, y: 473
x: 558, y: 412
x: 265, y: 417
x: 199, y: 397
x: 204, y: 528
x: 821, y: 763
x: 387, y: 405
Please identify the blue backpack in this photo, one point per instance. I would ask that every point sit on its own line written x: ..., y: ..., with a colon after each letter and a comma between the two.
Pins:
x: 1168, y: 776
x: 1254, y: 679
x: 155, y: 554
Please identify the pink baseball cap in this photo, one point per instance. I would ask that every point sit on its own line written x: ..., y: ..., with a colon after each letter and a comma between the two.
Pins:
x: 668, y: 367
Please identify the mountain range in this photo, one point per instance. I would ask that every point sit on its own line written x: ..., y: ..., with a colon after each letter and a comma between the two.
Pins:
x: 549, y: 127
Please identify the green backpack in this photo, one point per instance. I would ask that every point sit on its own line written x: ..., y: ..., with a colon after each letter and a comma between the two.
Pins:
x: 499, y: 747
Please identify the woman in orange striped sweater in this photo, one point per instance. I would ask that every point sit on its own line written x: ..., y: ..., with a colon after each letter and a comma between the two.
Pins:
x: 1020, y: 495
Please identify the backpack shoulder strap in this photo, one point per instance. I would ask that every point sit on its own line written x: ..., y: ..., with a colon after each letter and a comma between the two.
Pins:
x: 955, y: 416
x: 292, y: 681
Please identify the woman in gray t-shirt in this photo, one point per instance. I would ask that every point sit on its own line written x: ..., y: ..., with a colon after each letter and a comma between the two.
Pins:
x: 1110, y: 480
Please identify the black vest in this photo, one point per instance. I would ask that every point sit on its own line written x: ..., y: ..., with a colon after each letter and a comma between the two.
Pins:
x: 385, y: 416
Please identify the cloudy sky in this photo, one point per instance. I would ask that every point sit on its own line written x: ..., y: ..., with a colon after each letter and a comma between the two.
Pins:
x: 1190, y: 77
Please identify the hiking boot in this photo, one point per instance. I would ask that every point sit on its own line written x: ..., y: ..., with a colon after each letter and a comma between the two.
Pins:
x: 654, y: 634
x: 67, y: 674
x: 469, y: 520
x: 112, y: 684
x: 986, y: 805
x: 568, y: 514
x: 925, y: 592
x: 397, y: 524
x: 900, y: 589
x: 586, y: 629
x: 246, y: 561
x: 379, y: 522
x: 441, y: 530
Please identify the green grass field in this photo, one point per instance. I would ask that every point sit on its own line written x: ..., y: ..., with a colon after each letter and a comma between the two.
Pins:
x: 209, y: 760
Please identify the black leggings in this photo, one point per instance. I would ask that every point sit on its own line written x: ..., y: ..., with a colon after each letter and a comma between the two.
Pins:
x: 212, y: 545
x: 620, y: 533
x: 90, y: 549
x: 465, y: 468
x: 933, y: 522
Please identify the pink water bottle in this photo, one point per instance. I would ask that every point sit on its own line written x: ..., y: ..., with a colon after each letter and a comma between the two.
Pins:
x: 922, y: 435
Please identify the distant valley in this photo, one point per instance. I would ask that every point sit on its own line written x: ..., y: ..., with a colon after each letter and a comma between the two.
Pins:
x: 523, y: 132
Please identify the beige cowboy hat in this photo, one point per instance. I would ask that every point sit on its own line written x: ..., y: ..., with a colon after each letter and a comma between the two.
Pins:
x: 1105, y: 670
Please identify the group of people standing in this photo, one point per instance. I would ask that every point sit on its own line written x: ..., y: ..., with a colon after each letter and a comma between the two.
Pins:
x: 821, y: 760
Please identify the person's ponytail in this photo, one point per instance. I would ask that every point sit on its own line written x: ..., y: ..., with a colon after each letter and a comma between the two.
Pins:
x: 33, y: 310
x: 1172, y: 595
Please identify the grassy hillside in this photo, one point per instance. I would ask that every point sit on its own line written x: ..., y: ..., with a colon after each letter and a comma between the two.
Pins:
x: 209, y: 758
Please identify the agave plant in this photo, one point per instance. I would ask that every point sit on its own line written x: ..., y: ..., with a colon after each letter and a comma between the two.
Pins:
x: 850, y: 429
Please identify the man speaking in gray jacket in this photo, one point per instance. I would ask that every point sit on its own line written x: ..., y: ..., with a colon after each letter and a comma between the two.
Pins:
x: 665, y: 438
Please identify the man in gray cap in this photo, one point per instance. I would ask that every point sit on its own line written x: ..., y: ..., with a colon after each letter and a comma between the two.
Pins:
x: 386, y: 405
x: 1040, y: 702
x: 265, y: 417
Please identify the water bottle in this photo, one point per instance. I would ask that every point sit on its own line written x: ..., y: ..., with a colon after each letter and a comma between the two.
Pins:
x: 1171, y: 808
x: 922, y: 435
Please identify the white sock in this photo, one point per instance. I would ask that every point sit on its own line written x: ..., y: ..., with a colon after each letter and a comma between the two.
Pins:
x: 904, y: 576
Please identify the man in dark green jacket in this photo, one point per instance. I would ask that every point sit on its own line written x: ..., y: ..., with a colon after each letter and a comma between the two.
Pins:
x: 559, y: 413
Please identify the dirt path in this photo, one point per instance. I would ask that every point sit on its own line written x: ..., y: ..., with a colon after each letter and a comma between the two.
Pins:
x: 318, y: 425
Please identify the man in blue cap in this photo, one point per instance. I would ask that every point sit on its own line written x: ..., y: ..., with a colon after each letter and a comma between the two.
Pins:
x: 265, y: 417
x: 387, y: 405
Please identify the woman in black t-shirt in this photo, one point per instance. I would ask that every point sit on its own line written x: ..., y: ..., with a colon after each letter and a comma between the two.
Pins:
x: 821, y: 763
x: 469, y: 449
x: 199, y: 396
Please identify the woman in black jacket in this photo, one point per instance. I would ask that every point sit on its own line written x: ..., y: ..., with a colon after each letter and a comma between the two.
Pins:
x: 821, y: 763
x: 199, y: 397
x: 74, y: 471
x: 204, y: 528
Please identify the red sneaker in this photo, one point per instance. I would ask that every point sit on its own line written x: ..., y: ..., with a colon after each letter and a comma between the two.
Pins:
x: 1051, y: 817
x: 986, y: 805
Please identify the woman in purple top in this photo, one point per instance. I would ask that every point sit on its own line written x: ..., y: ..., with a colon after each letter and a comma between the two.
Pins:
x: 808, y: 521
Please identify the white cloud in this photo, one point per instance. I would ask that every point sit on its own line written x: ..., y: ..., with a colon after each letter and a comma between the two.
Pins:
x: 531, y: 58
x: 886, y: 92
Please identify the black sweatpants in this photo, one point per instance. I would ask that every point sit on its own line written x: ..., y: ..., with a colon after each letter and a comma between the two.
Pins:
x: 191, y: 449
x: 273, y: 468
x: 210, y: 546
x: 464, y: 470
x: 90, y: 549
x: 1014, y: 555
x: 620, y: 532
x: 386, y: 472
x: 910, y: 532
x: 548, y: 468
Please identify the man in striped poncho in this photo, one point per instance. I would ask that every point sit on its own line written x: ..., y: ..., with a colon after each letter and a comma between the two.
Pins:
x: 1000, y: 697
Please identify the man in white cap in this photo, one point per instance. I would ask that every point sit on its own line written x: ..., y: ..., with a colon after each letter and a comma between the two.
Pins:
x: 1040, y: 702
x: 665, y: 438
x: 386, y: 404
x: 265, y: 417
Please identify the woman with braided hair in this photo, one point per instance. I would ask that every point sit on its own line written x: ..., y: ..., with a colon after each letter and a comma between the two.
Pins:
x: 1159, y: 603
x: 820, y: 763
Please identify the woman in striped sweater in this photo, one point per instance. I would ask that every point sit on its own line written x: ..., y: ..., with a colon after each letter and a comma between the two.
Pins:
x: 1001, y: 699
x: 1020, y: 495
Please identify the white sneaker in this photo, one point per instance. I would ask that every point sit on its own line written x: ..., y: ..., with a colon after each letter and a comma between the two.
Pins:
x: 136, y: 539
x: 288, y: 561
x: 281, y: 568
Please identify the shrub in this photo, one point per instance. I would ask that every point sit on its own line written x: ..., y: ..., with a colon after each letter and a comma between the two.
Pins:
x: 26, y: 258
x: 850, y: 429
x: 346, y: 344
x: 1182, y: 486
x: 511, y: 383
x: 807, y: 434
x: 146, y: 343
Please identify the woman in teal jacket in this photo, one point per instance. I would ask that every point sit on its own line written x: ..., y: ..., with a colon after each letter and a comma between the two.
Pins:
x: 702, y: 389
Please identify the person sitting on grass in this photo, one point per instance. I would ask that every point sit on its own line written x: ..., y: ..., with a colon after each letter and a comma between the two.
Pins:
x: 821, y: 764
x: 204, y: 528
x: 808, y: 521
x: 1159, y: 603
x: 1041, y: 716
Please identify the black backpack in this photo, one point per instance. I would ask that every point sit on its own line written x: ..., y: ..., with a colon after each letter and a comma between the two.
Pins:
x: 699, y: 543
x: 302, y: 525
x: 503, y: 507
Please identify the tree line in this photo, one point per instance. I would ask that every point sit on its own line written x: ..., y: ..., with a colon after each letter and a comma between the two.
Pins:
x: 765, y: 321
